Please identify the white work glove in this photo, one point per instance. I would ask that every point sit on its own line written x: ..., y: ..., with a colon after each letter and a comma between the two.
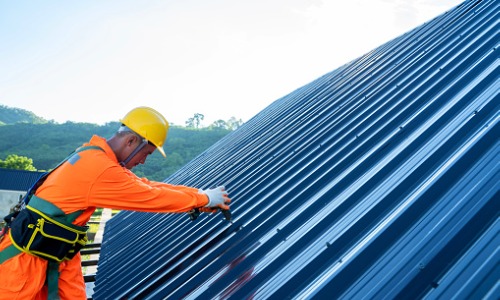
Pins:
x: 217, y: 197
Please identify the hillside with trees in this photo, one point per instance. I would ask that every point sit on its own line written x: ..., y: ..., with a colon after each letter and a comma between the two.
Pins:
x: 46, y: 144
x: 11, y: 115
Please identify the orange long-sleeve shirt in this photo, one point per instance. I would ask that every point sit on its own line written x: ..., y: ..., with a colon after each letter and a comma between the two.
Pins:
x: 94, y: 178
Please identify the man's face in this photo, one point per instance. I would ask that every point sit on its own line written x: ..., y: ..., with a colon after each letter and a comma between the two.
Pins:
x: 140, y: 157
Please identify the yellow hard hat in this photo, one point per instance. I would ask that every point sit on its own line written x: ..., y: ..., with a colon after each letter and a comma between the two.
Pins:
x: 149, y: 124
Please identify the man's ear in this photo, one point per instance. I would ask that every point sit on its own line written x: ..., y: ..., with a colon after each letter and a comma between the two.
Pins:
x: 131, y: 139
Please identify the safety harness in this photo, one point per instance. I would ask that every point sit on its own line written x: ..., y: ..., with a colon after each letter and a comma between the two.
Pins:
x: 42, y: 229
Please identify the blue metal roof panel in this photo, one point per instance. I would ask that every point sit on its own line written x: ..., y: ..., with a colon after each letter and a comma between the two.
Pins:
x: 475, y: 276
x: 379, y: 179
x: 17, y: 180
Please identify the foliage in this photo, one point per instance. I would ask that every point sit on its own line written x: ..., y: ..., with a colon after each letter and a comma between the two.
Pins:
x: 16, y: 162
x: 231, y: 124
x: 29, y: 141
x: 47, y: 144
x: 195, y: 121
x: 183, y: 144
x: 9, y: 115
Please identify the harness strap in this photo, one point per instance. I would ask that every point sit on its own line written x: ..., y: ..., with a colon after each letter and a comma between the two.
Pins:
x: 52, y: 277
x: 8, y: 253
x: 42, y: 178
x: 136, y: 150
x: 52, y: 210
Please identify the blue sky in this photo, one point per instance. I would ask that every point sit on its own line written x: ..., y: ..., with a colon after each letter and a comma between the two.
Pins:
x: 92, y: 61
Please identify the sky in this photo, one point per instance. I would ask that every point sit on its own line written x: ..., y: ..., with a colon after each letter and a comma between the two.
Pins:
x: 93, y: 61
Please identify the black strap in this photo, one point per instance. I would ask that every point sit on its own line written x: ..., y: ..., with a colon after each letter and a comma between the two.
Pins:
x: 42, y: 178
x: 53, y: 267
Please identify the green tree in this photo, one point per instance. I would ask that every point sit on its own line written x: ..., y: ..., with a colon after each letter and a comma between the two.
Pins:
x: 219, y: 124
x: 12, y: 115
x: 195, y: 121
x: 17, y: 162
x: 233, y: 123
x: 47, y: 144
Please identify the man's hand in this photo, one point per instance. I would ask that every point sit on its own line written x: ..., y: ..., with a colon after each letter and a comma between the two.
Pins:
x: 208, y: 210
x: 217, y: 198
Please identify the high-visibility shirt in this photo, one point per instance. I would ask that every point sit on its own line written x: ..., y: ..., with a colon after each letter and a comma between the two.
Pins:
x: 88, y: 179
x: 94, y: 178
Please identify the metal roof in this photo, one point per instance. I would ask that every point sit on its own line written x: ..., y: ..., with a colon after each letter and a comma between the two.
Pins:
x: 377, y: 180
x: 18, y: 180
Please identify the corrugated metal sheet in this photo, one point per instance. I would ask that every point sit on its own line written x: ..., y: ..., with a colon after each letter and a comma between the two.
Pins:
x: 377, y: 180
x: 17, y: 180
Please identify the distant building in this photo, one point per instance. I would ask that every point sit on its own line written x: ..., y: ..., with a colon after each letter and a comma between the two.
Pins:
x: 13, y: 185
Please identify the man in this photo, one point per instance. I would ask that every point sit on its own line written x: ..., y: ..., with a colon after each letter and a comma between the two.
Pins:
x: 39, y: 257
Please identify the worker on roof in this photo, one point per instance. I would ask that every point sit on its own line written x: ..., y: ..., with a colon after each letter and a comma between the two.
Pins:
x: 39, y: 257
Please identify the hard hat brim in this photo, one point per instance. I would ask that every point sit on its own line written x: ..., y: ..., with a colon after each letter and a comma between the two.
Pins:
x: 160, y: 149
